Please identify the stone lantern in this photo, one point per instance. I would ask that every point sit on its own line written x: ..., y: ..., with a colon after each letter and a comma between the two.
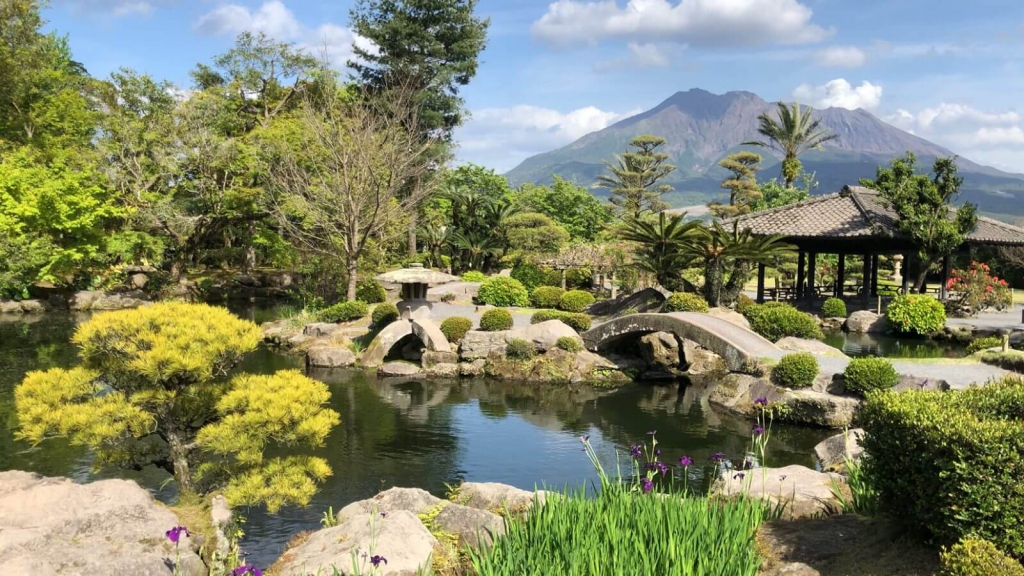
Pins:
x: 897, y: 268
x: 415, y: 280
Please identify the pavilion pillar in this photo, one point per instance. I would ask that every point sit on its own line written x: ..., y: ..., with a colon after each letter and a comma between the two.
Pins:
x: 866, y: 289
x: 800, y: 274
x: 907, y: 259
x: 563, y: 279
x: 874, y: 274
x: 615, y: 289
x: 840, y: 276
x: 943, y: 292
x: 760, y: 283
x: 812, y: 260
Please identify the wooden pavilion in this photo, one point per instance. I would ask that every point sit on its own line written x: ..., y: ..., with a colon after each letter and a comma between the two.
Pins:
x: 854, y: 221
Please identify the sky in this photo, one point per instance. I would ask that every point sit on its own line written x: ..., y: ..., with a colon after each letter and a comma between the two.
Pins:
x: 554, y: 70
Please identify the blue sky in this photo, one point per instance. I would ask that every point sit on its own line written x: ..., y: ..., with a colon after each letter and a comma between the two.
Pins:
x: 557, y: 69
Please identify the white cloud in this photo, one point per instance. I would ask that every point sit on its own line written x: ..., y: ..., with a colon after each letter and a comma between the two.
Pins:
x: 840, y: 94
x: 704, y: 23
x: 503, y: 137
x: 841, y: 57
x: 639, y: 56
x: 274, y: 19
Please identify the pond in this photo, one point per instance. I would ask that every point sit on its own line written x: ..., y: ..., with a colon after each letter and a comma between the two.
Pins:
x: 426, y: 434
x: 859, y: 345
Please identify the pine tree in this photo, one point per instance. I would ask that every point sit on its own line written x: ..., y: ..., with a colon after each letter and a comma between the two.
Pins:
x: 742, y: 186
x: 633, y: 182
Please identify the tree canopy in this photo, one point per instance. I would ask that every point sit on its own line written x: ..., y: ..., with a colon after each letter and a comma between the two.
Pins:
x: 793, y: 132
x: 633, y: 182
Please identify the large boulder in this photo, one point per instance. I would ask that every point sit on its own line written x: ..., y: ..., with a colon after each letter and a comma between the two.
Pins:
x: 320, y: 329
x: 479, y: 344
x: 496, y: 497
x: 737, y: 392
x: 443, y: 370
x: 472, y: 369
x: 473, y: 526
x: 399, y: 537
x: 115, y: 302
x: 34, y: 306
x: 866, y: 322
x: 543, y: 335
x: 329, y: 357
x: 413, y: 500
x: 10, y: 307
x: 700, y: 360
x: 730, y: 315
x: 55, y: 527
x: 806, y: 493
x: 84, y: 299
x: 398, y: 369
x: 816, y: 347
x: 431, y: 358
x: 660, y: 350
x: 834, y: 451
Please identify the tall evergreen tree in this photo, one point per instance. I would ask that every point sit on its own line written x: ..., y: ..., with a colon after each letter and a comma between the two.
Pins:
x: 742, y: 185
x: 634, y: 178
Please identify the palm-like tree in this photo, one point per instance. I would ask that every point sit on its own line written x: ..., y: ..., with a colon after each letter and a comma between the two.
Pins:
x: 720, y: 250
x: 437, y: 239
x: 794, y: 132
x: 478, y: 246
x: 661, y: 247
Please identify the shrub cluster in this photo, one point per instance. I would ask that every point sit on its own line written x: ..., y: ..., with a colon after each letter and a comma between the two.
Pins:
x: 862, y: 375
x: 976, y: 557
x: 503, y: 291
x: 447, y: 297
x: 833, y: 308
x: 975, y: 289
x: 384, y: 314
x: 520, y: 349
x: 984, y: 344
x: 575, y: 301
x: 371, y: 291
x: 546, y: 296
x: 796, y: 370
x: 950, y: 464
x: 916, y: 314
x: 743, y: 302
x: 569, y: 344
x: 454, y: 328
x: 529, y: 275
x: 474, y: 276
x: 685, y: 302
x: 577, y: 321
x: 344, y: 311
x: 776, y: 320
x: 496, y: 320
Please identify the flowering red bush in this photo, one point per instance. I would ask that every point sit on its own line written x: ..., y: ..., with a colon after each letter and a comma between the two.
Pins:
x: 974, y: 289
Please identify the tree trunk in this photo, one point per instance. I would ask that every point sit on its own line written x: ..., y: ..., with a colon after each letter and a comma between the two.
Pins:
x: 412, y: 234
x: 249, y: 262
x: 177, y: 270
x: 563, y: 278
x: 924, y: 265
x: 182, y: 469
x: 713, y: 283
x: 351, y: 267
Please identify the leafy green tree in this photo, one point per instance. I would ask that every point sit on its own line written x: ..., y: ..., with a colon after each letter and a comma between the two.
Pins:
x: 793, y: 132
x: 535, y: 233
x: 924, y: 207
x: 571, y: 205
x: 661, y: 247
x: 478, y: 247
x: 634, y: 178
x: 153, y: 388
x: 742, y: 185
x: 775, y: 195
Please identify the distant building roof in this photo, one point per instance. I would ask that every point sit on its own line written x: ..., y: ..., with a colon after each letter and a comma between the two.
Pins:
x: 856, y: 213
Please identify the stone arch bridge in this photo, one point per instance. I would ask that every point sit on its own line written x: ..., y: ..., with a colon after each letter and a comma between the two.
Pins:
x: 738, y: 346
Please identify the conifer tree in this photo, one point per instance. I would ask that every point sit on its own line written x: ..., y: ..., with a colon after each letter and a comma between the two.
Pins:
x: 634, y: 178
x: 742, y: 185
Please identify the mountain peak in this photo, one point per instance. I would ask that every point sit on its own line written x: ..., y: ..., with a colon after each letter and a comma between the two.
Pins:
x: 699, y: 103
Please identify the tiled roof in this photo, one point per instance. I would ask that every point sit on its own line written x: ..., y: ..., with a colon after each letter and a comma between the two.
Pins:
x: 855, y: 212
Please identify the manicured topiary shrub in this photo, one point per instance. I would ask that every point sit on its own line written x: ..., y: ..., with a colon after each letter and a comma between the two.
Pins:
x: 503, y: 291
x: 447, y: 298
x: 743, y: 302
x: 496, y: 320
x: 796, y: 370
x: 546, y: 296
x: 950, y: 464
x: 384, y: 314
x: 577, y: 321
x: 344, y: 312
x: 519, y: 349
x: 575, y: 301
x: 984, y: 344
x: 916, y: 314
x: 862, y: 375
x: 454, y: 328
x: 833, y: 308
x: 529, y: 275
x: 977, y: 557
x: 371, y: 291
x: 569, y: 344
x: 685, y: 302
x: 474, y: 276
x: 775, y: 321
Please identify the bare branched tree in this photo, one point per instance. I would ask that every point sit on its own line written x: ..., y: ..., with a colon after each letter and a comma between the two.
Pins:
x: 346, y: 175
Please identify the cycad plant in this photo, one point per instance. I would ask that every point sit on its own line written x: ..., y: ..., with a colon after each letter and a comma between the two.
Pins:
x: 793, y: 132
x: 728, y: 256
x: 662, y: 247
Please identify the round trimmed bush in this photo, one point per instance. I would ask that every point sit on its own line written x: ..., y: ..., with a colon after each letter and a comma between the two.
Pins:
x: 862, y: 375
x: 503, y: 291
x: 384, y: 314
x: 569, y: 344
x: 344, y: 311
x: 454, y: 328
x: 775, y: 321
x: 578, y: 321
x: 474, y: 276
x: 496, y: 320
x: 833, y: 308
x: 371, y: 291
x: 796, y: 370
x: 575, y: 301
x: 529, y: 275
x: 546, y: 296
x: 977, y: 557
x: 519, y: 349
x: 916, y: 314
x: 685, y: 302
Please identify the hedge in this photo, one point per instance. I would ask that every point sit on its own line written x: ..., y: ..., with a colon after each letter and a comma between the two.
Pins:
x: 685, y: 302
x: 546, y: 296
x: 950, y: 464
x: 976, y: 557
x: 454, y: 328
x: 916, y: 314
x: 371, y: 291
x: 833, y: 308
x: 344, y: 311
x: 575, y: 301
x: 796, y: 370
x: 577, y: 321
x: 503, y: 291
x: 984, y: 344
x: 384, y: 314
x: 776, y: 320
x: 529, y: 275
x: 474, y: 276
x: 863, y: 375
x: 496, y: 320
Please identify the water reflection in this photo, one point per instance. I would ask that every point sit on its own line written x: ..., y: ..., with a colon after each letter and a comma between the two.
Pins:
x: 859, y: 345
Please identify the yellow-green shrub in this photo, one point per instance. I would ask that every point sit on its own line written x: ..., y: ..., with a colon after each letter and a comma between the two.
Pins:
x: 503, y: 291
x: 977, y: 557
x: 454, y: 328
x: 344, y: 311
x: 796, y: 370
x: 474, y: 276
x: 579, y: 322
x: 984, y: 344
x: 863, y: 375
x: 384, y: 314
x: 546, y: 296
x: 776, y: 320
x: 371, y: 292
x: 833, y: 308
x: 569, y: 344
x: 575, y: 301
x: 685, y: 302
x: 916, y: 314
x: 520, y: 349
x: 496, y: 320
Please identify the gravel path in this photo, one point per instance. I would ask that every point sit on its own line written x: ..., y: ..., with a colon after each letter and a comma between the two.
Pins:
x: 959, y: 375
x: 1011, y: 319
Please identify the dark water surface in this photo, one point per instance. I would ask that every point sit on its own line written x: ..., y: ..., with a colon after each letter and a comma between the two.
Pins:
x: 859, y: 345
x: 423, y: 433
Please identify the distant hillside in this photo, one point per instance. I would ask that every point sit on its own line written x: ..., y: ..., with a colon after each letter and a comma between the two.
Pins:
x: 702, y: 128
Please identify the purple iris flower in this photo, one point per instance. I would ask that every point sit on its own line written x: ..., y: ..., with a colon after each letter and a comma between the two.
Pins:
x: 174, y: 534
x: 758, y: 430
x: 717, y: 457
x: 662, y: 467
x: 636, y: 451
x: 686, y: 461
x: 652, y: 432
x: 376, y: 560
x: 657, y: 452
x: 585, y: 438
x: 247, y: 570
x: 761, y: 401
x: 646, y: 485
x: 383, y: 514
